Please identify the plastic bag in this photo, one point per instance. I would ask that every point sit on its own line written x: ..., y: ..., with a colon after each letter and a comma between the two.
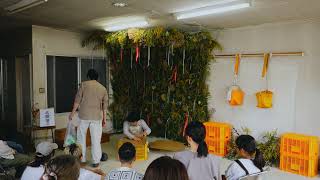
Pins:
x: 71, y: 133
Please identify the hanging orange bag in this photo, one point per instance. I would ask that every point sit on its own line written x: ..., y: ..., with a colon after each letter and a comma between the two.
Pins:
x: 264, y: 98
x: 235, y: 94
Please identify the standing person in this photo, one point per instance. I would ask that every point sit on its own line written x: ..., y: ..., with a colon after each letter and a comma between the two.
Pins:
x: 91, y: 101
x: 166, y: 168
x: 44, y: 152
x: 126, y: 155
x: 198, y: 162
x: 251, y: 160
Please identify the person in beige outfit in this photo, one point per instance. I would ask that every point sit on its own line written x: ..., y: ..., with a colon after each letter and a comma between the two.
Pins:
x: 91, y: 101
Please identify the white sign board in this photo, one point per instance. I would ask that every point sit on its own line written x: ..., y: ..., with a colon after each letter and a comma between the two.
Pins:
x: 47, y: 117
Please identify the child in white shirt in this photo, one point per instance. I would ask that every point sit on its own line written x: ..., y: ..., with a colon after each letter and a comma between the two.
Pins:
x: 135, y: 128
x: 251, y: 160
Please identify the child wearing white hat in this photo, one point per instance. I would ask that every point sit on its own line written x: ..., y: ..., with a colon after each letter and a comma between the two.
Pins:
x: 44, y: 152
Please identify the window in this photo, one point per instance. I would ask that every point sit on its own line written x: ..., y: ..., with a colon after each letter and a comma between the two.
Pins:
x: 64, y: 75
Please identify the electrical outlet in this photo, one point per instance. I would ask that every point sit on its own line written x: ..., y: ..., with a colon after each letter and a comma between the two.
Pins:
x: 42, y: 90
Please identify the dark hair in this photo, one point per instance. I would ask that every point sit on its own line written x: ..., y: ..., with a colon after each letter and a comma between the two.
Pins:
x: 197, y: 132
x: 64, y: 167
x: 133, y: 117
x: 92, y: 74
x: 127, y: 152
x: 39, y: 159
x: 248, y: 144
x: 166, y: 168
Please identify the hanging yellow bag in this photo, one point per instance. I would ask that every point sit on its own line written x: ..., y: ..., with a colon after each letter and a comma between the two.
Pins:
x: 235, y: 94
x: 264, y: 98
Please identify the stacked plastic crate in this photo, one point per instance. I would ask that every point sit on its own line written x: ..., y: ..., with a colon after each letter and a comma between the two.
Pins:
x: 299, y: 154
x: 217, y: 137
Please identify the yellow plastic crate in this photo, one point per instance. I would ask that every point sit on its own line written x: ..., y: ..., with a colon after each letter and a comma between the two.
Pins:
x: 218, y: 130
x: 141, y: 148
x: 306, y: 167
x: 217, y: 147
x: 298, y: 145
x: 217, y: 137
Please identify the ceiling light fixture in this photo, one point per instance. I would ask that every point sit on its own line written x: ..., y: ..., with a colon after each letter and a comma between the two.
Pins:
x: 23, y: 5
x: 126, y: 24
x: 119, y: 4
x: 221, y: 8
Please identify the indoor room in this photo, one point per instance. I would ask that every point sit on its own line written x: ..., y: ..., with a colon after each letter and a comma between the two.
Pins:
x: 161, y: 90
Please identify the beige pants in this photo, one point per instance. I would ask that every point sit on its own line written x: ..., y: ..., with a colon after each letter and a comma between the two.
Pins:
x: 95, y: 127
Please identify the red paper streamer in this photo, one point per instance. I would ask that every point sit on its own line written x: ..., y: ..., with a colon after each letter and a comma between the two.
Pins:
x: 148, y: 120
x: 137, y: 54
x: 121, y: 55
x: 186, y: 120
x: 174, y: 74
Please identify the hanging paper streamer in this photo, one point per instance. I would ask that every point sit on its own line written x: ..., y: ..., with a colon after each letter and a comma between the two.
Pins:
x: 137, y: 54
x: 190, y: 64
x: 174, y: 74
x: 131, y: 57
x: 121, y: 55
x: 183, y: 59
x: 186, y: 121
x: 265, y: 64
x: 168, y: 55
x: 148, y: 56
x: 148, y: 120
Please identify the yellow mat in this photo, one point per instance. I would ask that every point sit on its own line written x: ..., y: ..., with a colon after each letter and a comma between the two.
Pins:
x: 166, y: 145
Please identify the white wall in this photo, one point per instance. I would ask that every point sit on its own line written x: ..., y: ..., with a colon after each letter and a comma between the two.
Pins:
x: 49, y: 41
x: 294, y: 80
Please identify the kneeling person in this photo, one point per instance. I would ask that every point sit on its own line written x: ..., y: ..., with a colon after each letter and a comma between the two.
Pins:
x: 135, y: 128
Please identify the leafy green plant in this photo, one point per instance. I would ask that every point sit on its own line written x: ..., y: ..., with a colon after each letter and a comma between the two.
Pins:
x: 165, y: 82
x: 270, y: 147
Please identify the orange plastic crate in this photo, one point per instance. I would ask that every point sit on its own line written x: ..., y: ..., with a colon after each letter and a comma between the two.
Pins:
x: 217, y: 137
x: 141, y: 148
x: 299, y: 145
x: 217, y: 147
x: 306, y: 167
x: 218, y: 130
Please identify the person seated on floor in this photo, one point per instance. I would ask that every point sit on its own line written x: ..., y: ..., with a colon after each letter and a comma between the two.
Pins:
x: 9, y: 158
x: 135, y: 128
x: 166, y: 168
x: 63, y: 167
x: 197, y: 160
x: 44, y: 152
x: 85, y: 173
x: 126, y: 155
x: 251, y: 160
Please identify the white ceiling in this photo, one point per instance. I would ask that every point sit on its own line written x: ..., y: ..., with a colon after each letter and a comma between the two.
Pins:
x: 90, y: 14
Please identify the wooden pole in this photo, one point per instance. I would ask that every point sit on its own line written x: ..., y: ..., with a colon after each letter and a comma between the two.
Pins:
x: 260, y: 54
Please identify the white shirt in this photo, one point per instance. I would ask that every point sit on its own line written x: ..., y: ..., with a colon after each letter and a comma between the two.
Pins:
x: 234, y: 171
x: 31, y: 173
x: 124, y: 173
x: 142, y: 125
x: 86, y: 174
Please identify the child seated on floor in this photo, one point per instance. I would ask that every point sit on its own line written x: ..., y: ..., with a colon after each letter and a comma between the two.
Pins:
x: 135, y: 128
x: 251, y: 160
x: 85, y: 173
x: 126, y: 155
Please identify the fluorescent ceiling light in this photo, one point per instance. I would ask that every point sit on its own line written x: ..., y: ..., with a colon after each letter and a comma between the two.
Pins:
x: 126, y: 24
x: 23, y: 5
x: 211, y: 10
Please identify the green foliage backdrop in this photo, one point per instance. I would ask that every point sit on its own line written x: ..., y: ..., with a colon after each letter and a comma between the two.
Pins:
x: 167, y: 83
